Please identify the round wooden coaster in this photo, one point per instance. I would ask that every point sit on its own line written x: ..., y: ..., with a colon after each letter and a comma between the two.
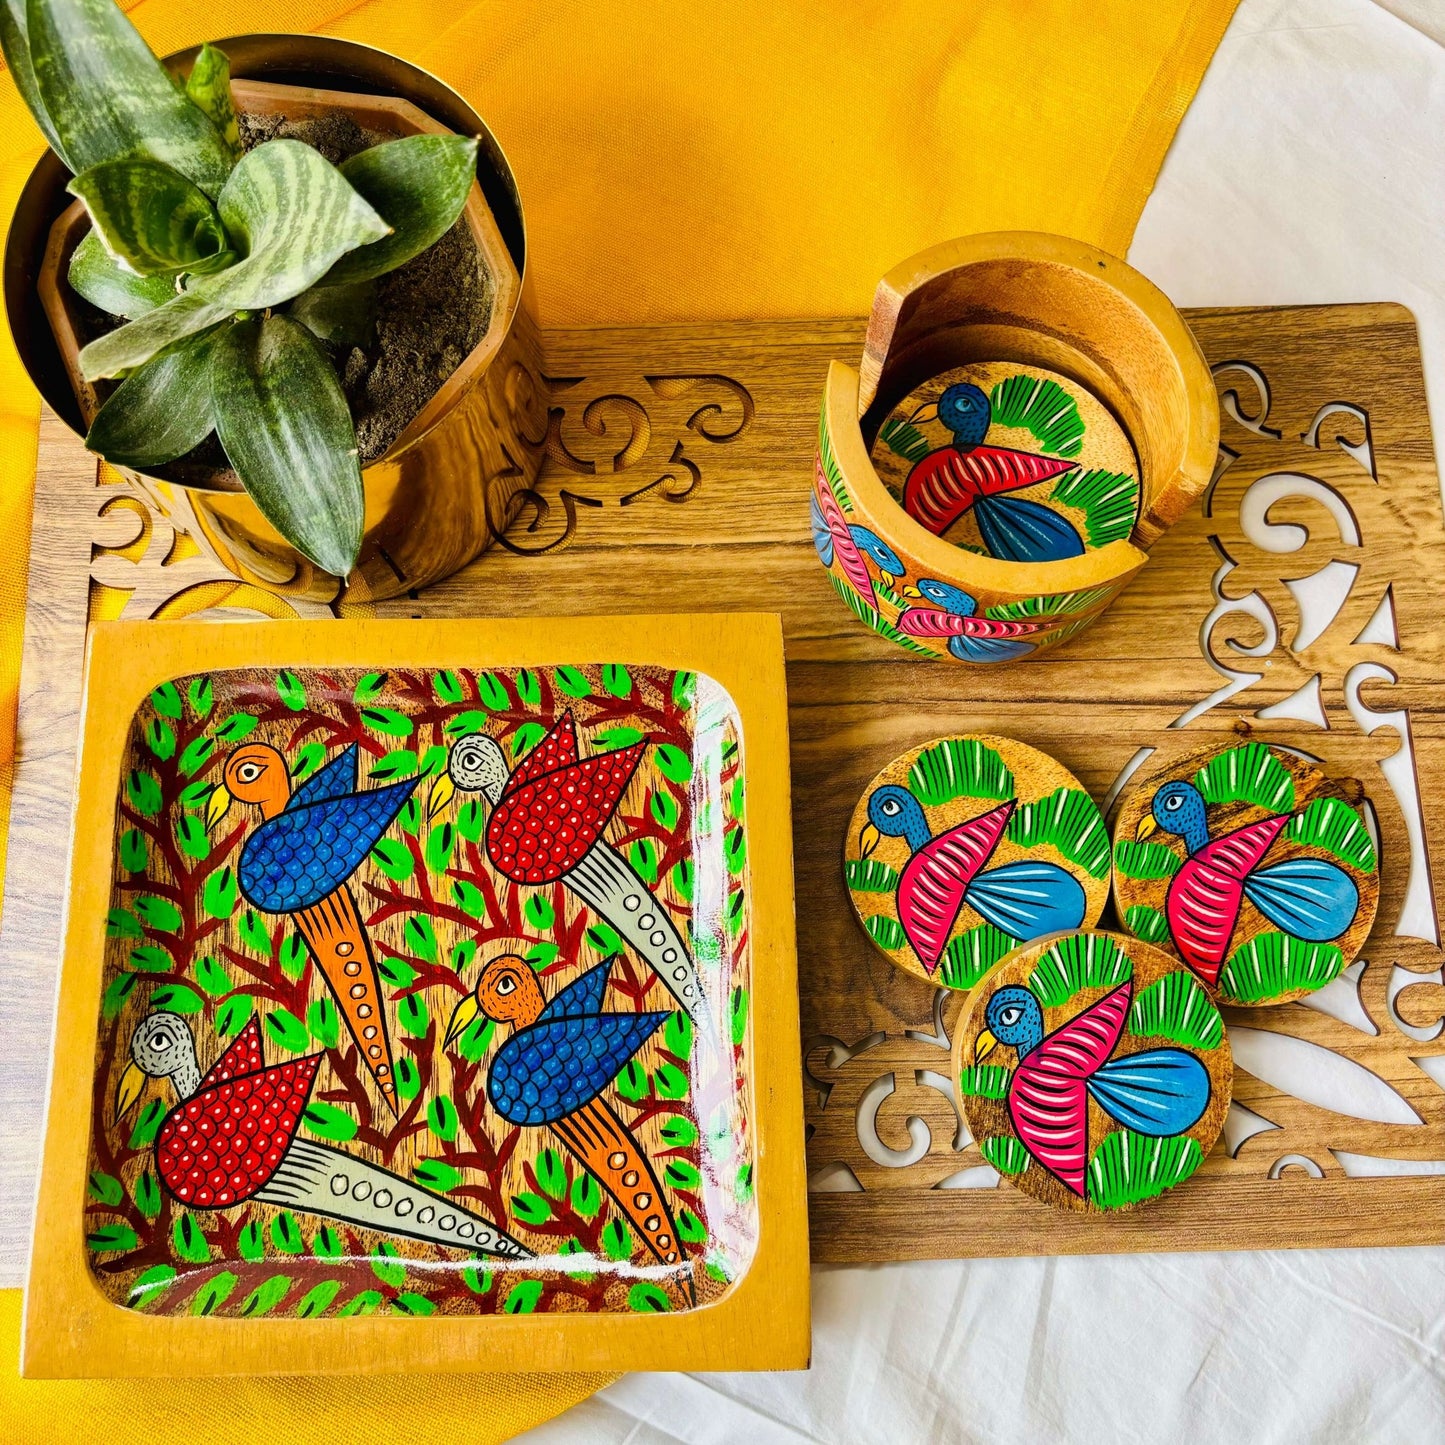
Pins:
x: 1251, y: 865
x: 1010, y: 460
x: 965, y: 847
x: 1093, y: 1071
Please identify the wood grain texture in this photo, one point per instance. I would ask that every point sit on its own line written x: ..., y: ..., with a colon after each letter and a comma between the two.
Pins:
x: 679, y: 461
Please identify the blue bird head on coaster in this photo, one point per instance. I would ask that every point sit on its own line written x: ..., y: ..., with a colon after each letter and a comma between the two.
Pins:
x: 1015, y: 1018
x: 894, y: 812
x: 964, y: 409
x: 1178, y: 808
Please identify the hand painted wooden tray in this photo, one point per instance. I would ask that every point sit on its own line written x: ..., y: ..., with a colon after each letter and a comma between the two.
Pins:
x: 1298, y: 605
x: 422, y: 975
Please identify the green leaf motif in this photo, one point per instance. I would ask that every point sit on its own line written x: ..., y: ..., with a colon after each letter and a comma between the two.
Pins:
x: 1175, y: 1007
x: 394, y: 859
x: 143, y: 792
x: 266, y: 1296
x: 116, y: 993
x: 105, y: 1188
x: 959, y: 768
x: 1145, y: 860
x: 664, y: 809
x: 212, y: 976
x: 370, y: 687
x: 385, y: 1266
x: 674, y: 764
x: 286, y: 1233
x: 411, y: 1303
x: 1078, y: 961
x: 418, y: 185
x: 1271, y: 964
x: 326, y: 1243
x: 291, y: 690
x: 150, y: 217
x: 735, y: 850
x: 387, y: 720
x: 285, y: 425
x: 681, y: 1175
x: 1069, y: 821
x: 218, y: 897
x: 904, y: 439
x: 286, y: 1031
x: 1007, y: 1154
x: 327, y: 1121
x: 1108, y: 500
x: 1334, y: 826
x: 254, y: 934
x: 396, y: 971
x: 1128, y: 1168
x: 200, y: 695
x: 572, y: 682
x: 197, y: 753
x: 364, y: 1303
x: 191, y: 836
x: 158, y: 913
x: 438, y: 1174
x: 586, y: 1195
x: 970, y: 955
x: 617, y: 1241
x: 147, y: 1193
x: 531, y: 1209
x: 176, y: 998
x: 678, y: 1132
x: 1043, y: 408
x: 439, y: 844
x: 122, y: 923
x: 669, y: 1082
x: 441, y: 1118
x: 413, y: 1016
x: 421, y: 937
x: 147, y: 1124
x: 317, y: 1300
x: 107, y: 96
x: 214, y: 1293
x: 133, y: 851
x: 149, y: 959
x: 323, y: 1022
x: 190, y: 1243
x: 523, y: 1297
x: 643, y: 857
x: 646, y: 1298
x: 233, y: 1015
x: 151, y: 1283
x: 252, y: 1243
x: 1247, y: 774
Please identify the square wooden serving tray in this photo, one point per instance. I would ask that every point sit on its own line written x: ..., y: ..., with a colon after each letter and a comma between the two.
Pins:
x: 429, y: 1002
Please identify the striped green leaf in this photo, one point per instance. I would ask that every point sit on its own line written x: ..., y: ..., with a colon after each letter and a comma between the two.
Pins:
x: 1176, y: 1007
x: 904, y: 439
x: 959, y: 768
x: 1054, y: 604
x: 208, y: 87
x: 1007, y: 1154
x: 1333, y: 825
x: 1145, y: 860
x: 1069, y: 821
x: 417, y: 185
x: 289, y: 213
x: 1128, y: 1168
x: 1247, y: 774
x: 886, y: 932
x: 285, y: 425
x: 96, y: 274
x: 970, y: 955
x: 1146, y: 923
x: 136, y: 342
x: 15, y: 45
x: 150, y: 217
x: 1271, y: 964
x: 1078, y: 961
x: 107, y: 95
x: 161, y: 410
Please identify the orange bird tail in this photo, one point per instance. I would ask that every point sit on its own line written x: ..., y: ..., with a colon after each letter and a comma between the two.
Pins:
x: 603, y: 1144
x: 342, y: 949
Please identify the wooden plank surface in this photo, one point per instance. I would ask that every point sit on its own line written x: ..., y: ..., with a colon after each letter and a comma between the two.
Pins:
x: 677, y: 479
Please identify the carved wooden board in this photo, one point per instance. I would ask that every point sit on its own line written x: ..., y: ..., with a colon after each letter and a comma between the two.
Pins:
x: 1299, y: 604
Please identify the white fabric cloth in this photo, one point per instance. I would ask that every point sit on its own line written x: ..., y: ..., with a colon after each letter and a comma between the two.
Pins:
x: 1310, y: 168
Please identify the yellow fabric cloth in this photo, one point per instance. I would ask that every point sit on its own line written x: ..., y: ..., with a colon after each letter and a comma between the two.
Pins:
x: 759, y: 158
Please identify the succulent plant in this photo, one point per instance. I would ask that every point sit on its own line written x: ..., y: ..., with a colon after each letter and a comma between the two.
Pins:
x: 230, y: 269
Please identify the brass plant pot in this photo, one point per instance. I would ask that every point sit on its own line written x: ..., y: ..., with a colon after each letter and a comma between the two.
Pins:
x: 434, y: 498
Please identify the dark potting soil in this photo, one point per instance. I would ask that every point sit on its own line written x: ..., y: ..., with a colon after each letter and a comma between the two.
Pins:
x: 430, y: 313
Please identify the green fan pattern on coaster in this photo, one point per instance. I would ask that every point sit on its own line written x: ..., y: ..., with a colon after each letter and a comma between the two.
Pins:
x: 970, y: 955
x: 1005, y: 1153
x: 1077, y: 962
x: 1271, y: 964
x: 1128, y: 1168
x: 1177, y: 1008
x: 1248, y: 774
x: 959, y: 768
x: 1336, y: 827
x: 1043, y: 408
x: 985, y: 1081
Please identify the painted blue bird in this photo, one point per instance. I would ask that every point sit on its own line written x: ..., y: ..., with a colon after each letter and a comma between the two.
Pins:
x: 1025, y: 899
x: 953, y: 614
x: 1158, y: 1092
x: 552, y: 1072
x: 969, y: 475
x: 1309, y: 898
x: 298, y: 862
x: 834, y: 536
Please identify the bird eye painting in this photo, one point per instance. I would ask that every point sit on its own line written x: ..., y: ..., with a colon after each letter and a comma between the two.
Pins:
x: 426, y: 993
x: 1093, y: 1071
x: 1249, y: 863
x: 963, y: 849
x: 1010, y: 461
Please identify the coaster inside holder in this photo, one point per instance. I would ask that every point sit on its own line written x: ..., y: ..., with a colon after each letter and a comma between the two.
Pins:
x: 965, y: 847
x: 1093, y: 1071
x: 1251, y: 865
x: 1010, y: 461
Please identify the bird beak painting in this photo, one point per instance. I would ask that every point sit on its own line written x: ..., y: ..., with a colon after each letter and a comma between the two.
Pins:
x: 128, y: 1091
x: 983, y: 1046
x: 927, y: 412
x: 218, y: 806
x: 443, y: 790
x: 463, y: 1016
x: 1147, y: 827
x: 868, y: 840
x: 914, y: 593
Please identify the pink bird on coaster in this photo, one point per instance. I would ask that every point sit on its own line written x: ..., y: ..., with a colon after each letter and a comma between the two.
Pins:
x: 1025, y: 899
